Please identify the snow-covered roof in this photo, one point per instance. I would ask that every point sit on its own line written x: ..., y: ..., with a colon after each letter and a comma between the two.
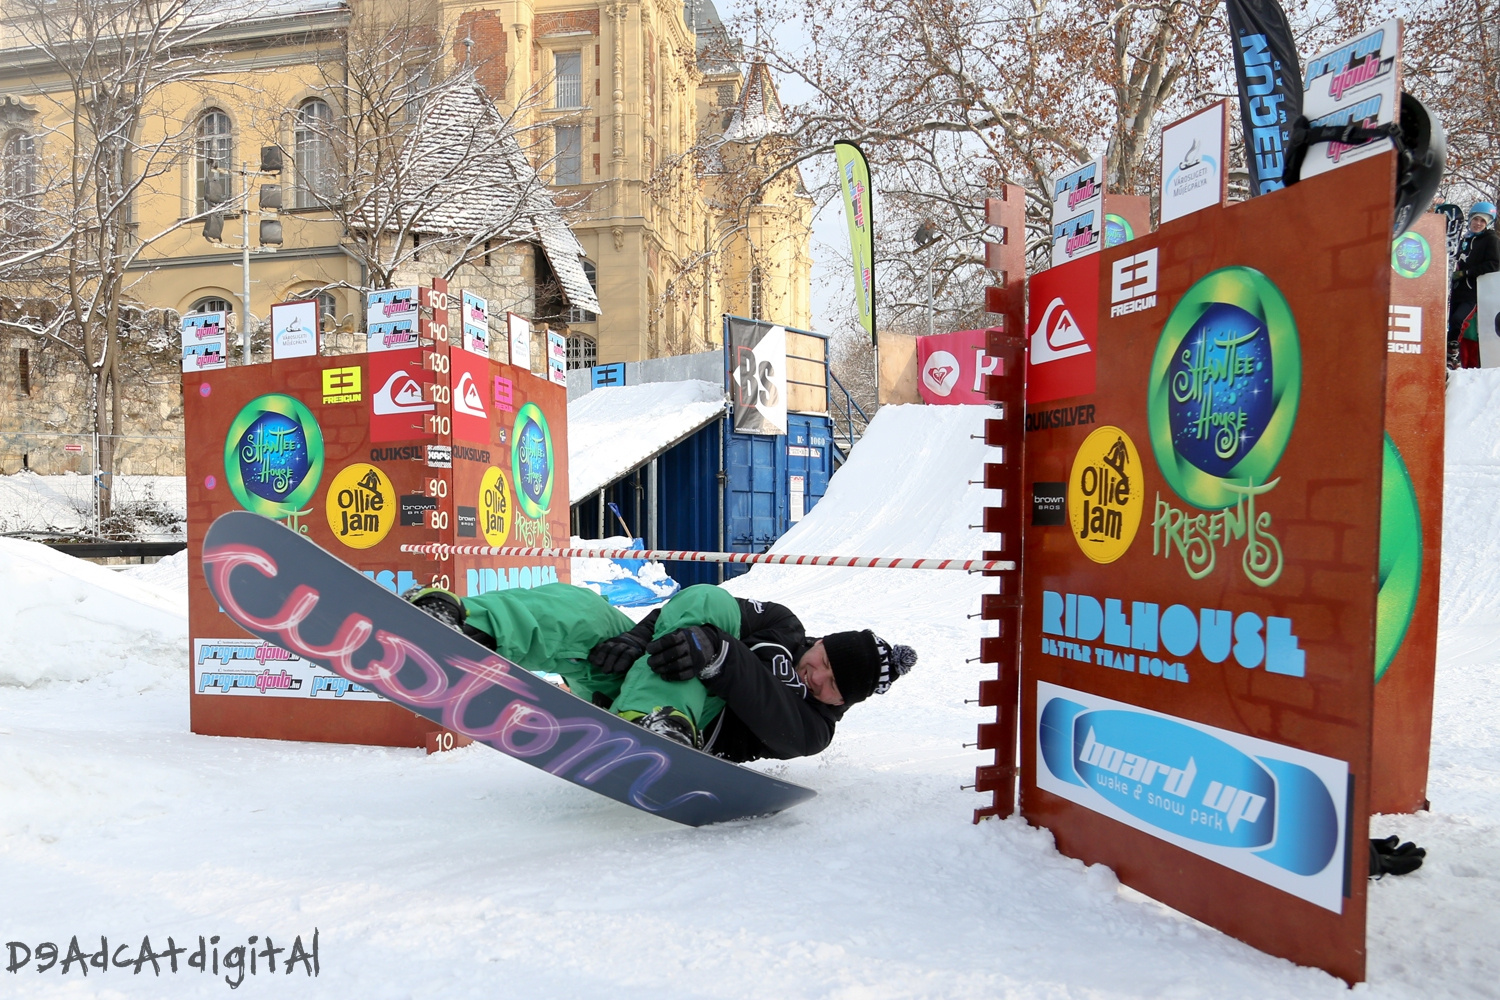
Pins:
x: 614, y: 430
x: 759, y: 112
x: 475, y: 202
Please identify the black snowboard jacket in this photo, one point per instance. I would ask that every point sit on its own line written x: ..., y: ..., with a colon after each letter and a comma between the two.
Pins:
x: 768, y: 711
x: 1478, y: 254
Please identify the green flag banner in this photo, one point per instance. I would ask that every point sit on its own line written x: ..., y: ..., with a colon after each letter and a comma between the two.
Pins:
x: 859, y: 212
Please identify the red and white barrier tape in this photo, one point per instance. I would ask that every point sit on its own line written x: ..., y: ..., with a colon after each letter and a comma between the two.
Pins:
x: 443, y: 551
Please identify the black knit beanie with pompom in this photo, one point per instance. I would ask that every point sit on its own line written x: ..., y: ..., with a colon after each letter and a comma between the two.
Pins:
x: 865, y: 664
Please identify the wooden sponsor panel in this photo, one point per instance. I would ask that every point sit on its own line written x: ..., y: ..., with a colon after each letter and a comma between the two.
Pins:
x: 806, y: 383
x: 293, y: 440
x: 1198, y: 627
x: 1412, y: 518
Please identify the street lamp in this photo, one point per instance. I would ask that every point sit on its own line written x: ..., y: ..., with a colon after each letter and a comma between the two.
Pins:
x: 217, y: 192
x: 924, y: 236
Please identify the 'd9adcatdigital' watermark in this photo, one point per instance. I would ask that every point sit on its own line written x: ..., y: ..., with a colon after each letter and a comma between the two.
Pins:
x: 256, y: 956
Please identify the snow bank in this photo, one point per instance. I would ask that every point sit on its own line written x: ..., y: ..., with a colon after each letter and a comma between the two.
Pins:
x: 1471, y: 499
x: 168, y: 575
x: 29, y: 502
x: 462, y: 870
x: 612, y: 430
x: 65, y: 503
x: 65, y: 619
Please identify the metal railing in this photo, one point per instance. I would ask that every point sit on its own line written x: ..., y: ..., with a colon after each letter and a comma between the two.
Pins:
x: 844, y: 438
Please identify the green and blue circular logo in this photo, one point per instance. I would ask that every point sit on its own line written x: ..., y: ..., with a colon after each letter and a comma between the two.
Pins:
x: 1411, y: 255
x: 531, y: 461
x: 1222, y: 396
x: 1117, y: 231
x: 1400, y: 558
x: 273, y: 455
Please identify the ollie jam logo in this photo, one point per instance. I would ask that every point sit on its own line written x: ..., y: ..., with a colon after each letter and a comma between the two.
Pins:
x: 1104, y: 494
x: 273, y: 456
x: 495, y: 507
x: 1060, y: 355
x: 361, y: 506
x: 1221, y: 405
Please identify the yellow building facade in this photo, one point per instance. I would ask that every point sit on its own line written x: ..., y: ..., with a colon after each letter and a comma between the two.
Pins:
x: 633, y: 106
x: 642, y: 97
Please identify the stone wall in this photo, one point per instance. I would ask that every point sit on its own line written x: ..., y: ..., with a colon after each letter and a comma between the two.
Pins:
x: 40, y: 419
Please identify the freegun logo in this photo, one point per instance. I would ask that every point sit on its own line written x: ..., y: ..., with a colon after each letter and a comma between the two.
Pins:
x: 341, y: 385
x: 257, y: 955
x: 1404, y: 332
x: 1267, y: 120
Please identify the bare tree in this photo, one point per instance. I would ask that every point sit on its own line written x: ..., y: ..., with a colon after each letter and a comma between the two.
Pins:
x: 951, y: 99
x: 418, y: 163
x: 78, y: 154
x: 1452, y: 51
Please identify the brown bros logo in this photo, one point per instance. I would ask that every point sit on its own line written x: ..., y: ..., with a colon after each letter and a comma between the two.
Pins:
x: 1104, y: 494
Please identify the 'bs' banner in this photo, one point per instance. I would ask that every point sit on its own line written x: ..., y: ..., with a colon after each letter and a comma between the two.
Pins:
x: 953, y: 367
x: 1270, y: 81
x: 757, y: 374
x: 1061, y: 322
x: 859, y: 212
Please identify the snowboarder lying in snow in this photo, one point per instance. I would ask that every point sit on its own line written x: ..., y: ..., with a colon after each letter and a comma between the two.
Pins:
x: 739, y: 679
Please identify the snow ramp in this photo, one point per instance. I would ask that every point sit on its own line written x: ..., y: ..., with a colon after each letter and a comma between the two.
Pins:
x: 906, y: 490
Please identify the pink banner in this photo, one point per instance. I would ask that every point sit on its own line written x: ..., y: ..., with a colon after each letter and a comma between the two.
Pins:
x: 951, y: 367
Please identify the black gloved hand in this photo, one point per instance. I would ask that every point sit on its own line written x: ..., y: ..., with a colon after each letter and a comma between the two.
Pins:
x: 444, y: 605
x: 1391, y: 857
x: 615, y: 656
x: 686, y: 653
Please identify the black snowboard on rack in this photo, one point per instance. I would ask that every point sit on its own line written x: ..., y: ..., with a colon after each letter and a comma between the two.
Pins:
x: 283, y: 588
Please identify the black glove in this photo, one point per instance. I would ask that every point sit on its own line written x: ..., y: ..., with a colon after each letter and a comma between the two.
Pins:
x: 615, y: 656
x: 686, y: 653
x: 441, y: 604
x: 1391, y: 857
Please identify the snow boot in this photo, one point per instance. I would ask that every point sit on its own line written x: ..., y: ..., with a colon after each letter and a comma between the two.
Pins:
x: 669, y: 722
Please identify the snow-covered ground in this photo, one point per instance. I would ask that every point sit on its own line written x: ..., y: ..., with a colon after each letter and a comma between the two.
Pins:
x: 64, y: 504
x: 466, y: 874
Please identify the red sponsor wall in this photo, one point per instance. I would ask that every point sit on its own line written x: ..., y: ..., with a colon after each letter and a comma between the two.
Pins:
x: 364, y: 453
x: 1202, y: 552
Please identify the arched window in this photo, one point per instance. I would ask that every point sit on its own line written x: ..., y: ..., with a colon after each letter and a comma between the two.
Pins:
x: 577, y: 315
x: 212, y: 304
x: 328, y: 310
x: 18, y: 180
x: 756, y: 303
x: 583, y: 351
x: 215, y: 151
x: 314, y: 155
